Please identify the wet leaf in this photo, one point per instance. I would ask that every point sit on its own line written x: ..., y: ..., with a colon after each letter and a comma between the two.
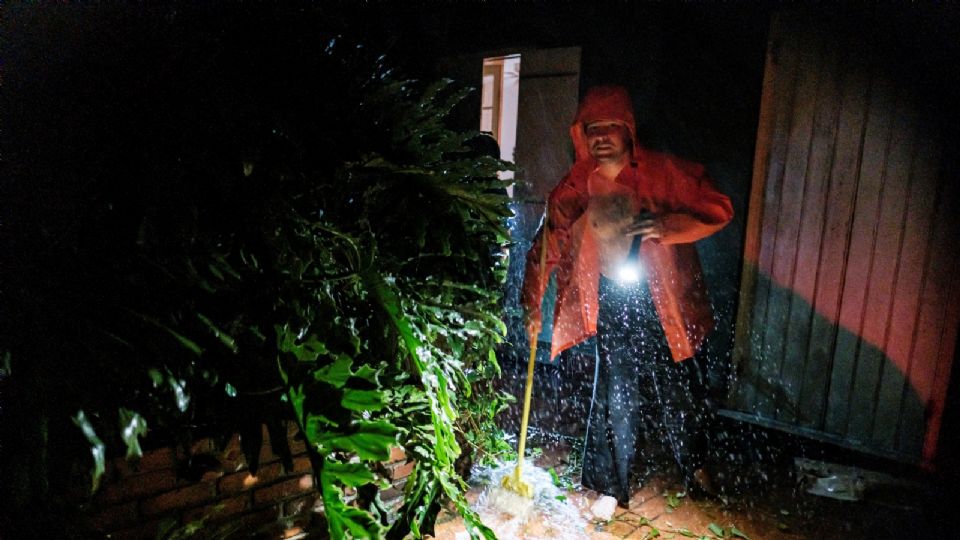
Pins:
x: 370, y: 440
x: 346, y: 521
x: 224, y: 337
x: 97, y: 449
x: 132, y: 427
x: 362, y: 400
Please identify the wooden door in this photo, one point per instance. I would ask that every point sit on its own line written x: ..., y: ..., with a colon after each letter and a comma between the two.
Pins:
x: 849, y: 302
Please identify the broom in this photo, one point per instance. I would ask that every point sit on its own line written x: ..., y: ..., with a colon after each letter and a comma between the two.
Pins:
x: 514, y: 482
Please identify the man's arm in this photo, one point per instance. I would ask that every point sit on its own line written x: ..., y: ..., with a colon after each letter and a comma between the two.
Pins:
x: 695, y: 209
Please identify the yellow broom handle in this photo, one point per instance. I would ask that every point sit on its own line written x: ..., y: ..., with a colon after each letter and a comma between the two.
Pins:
x: 528, y: 391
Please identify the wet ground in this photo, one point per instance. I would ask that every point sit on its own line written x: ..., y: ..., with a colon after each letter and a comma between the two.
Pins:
x: 761, y: 499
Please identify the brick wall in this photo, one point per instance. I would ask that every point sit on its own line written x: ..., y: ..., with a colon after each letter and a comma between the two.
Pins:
x: 138, y: 501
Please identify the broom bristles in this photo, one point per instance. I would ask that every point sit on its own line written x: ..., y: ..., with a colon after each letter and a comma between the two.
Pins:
x: 514, y: 482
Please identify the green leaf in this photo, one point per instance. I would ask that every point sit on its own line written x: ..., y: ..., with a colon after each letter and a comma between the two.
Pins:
x: 366, y: 373
x: 349, y: 474
x: 155, y: 376
x: 391, y: 305
x: 554, y: 476
x: 132, y: 427
x: 687, y: 533
x: 362, y: 400
x: 97, y: 449
x: 224, y: 337
x: 716, y: 530
x: 179, y: 388
x: 336, y: 373
x: 371, y: 440
x: 185, y: 341
x: 738, y: 533
x: 345, y: 521
x: 315, y: 423
x: 306, y: 350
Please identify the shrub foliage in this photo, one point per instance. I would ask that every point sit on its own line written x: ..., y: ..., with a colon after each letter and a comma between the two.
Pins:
x: 244, y: 232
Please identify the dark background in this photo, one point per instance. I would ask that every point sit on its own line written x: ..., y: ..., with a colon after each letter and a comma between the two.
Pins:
x: 82, y: 87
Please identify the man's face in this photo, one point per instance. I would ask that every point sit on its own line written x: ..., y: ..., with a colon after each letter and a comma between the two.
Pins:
x: 607, y: 141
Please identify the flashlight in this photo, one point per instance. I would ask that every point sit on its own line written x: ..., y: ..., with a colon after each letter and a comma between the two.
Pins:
x: 630, y: 269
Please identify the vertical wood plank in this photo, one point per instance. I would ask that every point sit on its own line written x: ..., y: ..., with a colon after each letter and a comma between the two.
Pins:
x: 943, y: 271
x: 775, y: 89
x: 838, y: 223
x: 787, y: 226
x: 918, y: 398
x: 921, y: 207
x: 857, y: 268
x: 809, y: 234
x: 785, y: 90
x: 883, y: 273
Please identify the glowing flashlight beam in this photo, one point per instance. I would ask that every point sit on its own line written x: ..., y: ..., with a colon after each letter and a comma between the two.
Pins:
x: 629, y: 271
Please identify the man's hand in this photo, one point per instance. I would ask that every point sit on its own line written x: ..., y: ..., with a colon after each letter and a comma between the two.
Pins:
x: 646, y: 225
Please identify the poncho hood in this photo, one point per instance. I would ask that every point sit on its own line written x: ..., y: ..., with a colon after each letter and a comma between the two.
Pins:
x: 603, y: 103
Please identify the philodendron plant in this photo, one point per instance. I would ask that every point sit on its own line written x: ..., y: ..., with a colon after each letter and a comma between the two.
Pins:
x: 313, y: 246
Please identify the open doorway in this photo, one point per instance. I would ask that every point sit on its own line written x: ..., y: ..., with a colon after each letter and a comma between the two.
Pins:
x: 499, y: 100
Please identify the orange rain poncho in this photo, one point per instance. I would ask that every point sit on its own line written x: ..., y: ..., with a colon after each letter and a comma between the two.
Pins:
x: 677, y: 191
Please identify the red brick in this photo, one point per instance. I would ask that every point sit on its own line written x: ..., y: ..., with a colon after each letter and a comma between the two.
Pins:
x: 161, y: 458
x: 269, y: 473
x: 211, y: 477
x: 137, y: 487
x: 282, y: 490
x: 242, y: 481
x: 231, y: 457
x: 397, y: 454
x: 219, y: 511
x: 266, y: 455
x: 256, y: 519
x: 115, y: 517
x: 301, y: 464
x: 391, y: 496
x: 178, y: 499
x: 401, y: 470
x: 303, y: 505
x: 293, y: 531
x: 202, y: 446
x: 145, y: 531
x: 233, y: 462
x: 236, y: 482
x: 297, y: 446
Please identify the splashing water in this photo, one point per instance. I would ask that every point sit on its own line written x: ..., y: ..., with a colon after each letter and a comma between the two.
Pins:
x: 549, y: 515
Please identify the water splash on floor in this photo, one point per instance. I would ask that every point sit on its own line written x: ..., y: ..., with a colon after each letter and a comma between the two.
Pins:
x: 550, y: 515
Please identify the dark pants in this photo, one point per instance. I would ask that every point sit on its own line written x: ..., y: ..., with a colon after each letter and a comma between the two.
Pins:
x: 647, y: 410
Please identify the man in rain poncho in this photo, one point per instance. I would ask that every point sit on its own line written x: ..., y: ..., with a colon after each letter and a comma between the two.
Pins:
x: 647, y: 386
